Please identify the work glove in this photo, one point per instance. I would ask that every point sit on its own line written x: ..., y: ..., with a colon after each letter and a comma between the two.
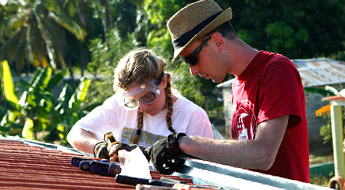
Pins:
x: 101, y: 149
x: 114, y: 149
x: 109, y: 147
x: 165, y: 153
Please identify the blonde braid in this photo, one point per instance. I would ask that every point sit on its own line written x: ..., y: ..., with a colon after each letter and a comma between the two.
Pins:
x: 140, y: 114
x: 135, y: 139
x: 170, y: 105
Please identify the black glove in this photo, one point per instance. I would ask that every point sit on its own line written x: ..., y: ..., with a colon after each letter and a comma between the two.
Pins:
x: 164, y: 154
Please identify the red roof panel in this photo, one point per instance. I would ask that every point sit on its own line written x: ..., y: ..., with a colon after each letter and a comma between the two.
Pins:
x: 23, y: 166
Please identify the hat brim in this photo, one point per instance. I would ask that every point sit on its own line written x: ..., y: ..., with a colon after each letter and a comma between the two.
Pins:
x: 225, y: 16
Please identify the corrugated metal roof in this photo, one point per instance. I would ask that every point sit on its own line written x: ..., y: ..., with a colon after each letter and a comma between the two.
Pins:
x: 23, y: 166
x: 314, y: 72
x: 34, y: 165
x: 320, y: 72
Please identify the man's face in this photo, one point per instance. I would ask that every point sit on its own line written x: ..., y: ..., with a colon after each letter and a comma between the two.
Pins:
x: 201, y: 57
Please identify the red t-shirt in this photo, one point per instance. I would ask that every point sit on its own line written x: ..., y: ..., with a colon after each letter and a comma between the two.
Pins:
x: 271, y: 87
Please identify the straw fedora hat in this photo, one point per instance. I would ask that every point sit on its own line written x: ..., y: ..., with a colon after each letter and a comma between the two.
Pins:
x: 194, y: 21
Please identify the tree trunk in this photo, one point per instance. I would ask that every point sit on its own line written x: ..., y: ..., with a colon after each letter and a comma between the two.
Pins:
x: 108, y: 20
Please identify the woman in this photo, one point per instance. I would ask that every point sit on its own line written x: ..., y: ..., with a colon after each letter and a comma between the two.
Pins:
x: 143, y: 110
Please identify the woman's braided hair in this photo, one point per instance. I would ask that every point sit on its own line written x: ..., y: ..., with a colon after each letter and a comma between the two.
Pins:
x: 137, y: 66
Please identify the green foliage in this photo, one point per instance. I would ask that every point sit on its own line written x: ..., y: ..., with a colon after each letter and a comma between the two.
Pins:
x: 187, y: 84
x: 327, y: 91
x: 320, y: 180
x: 193, y: 88
x: 281, y: 35
x: 37, y: 113
x: 8, y: 87
x: 326, y: 130
x: 39, y: 34
x: 125, y: 15
x: 159, y: 12
x: 28, y: 130
x: 294, y: 28
x: 105, y: 56
x: 69, y: 24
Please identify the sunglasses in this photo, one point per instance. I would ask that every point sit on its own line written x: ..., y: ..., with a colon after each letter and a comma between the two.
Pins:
x: 192, y: 59
x: 149, y: 98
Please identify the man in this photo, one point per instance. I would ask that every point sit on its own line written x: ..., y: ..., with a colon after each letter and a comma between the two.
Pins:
x: 269, y: 128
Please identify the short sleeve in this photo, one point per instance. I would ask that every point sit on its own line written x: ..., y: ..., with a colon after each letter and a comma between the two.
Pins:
x: 100, y: 120
x: 281, y: 92
x: 199, y: 124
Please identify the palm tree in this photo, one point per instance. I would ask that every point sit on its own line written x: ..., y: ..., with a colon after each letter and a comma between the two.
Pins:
x: 36, y: 33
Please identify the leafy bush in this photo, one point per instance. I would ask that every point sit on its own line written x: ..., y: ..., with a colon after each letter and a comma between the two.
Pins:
x: 326, y: 130
x: 105, y: 56
x: 37, y: 115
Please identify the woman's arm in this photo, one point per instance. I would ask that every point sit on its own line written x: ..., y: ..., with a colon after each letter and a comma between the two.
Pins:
x: 82, y: 140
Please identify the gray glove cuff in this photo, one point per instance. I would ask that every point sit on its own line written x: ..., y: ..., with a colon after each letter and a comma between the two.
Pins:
x: 174, y: 145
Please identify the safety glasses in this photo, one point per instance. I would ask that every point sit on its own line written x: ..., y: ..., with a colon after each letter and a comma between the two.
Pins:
x: 192, y: 59
x: 149, y: 98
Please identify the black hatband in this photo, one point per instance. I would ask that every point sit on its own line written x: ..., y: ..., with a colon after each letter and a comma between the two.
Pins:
x: 184, y: 38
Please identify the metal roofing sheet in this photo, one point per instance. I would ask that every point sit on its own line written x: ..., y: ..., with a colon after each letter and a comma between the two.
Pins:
x: 314, y: 72
x: 320, y: 72
x: 23, y: 166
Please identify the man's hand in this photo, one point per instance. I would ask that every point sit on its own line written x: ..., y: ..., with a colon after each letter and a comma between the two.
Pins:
x: 164, y: 154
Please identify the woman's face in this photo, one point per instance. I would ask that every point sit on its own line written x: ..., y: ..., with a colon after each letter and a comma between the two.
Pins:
x: 151, y: 99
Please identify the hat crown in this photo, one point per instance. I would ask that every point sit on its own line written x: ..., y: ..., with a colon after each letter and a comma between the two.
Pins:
x: 196, y: 13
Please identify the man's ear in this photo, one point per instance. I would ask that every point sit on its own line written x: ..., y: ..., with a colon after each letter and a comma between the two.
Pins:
x: 218, y: 40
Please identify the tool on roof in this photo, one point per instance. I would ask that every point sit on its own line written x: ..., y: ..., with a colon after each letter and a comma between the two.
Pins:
x: 102, y: 167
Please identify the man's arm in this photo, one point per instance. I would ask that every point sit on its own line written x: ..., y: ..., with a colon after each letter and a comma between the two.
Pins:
x: 82, y: 140
x: 259, y: 153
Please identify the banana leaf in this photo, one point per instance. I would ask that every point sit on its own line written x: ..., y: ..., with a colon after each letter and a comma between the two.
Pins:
x: 8, y: 85
x: 79, y: 94
x: 28, y: 130
x: 65, y: 95
x: 56, y: 80
x: 70, y: 25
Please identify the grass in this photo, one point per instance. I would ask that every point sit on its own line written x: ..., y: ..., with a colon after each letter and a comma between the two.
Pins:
x: 321, y: 155
x: 315, y: 159
x: 319, y: 180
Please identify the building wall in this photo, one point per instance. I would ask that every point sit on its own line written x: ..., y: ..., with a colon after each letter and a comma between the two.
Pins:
x: 227, y: 111
x: 313, y: 103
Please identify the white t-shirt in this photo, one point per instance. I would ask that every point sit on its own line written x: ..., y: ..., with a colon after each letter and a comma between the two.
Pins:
x: 187, y: 117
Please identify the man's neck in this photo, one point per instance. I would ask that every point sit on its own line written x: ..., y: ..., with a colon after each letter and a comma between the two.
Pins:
x: 240, y: 55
